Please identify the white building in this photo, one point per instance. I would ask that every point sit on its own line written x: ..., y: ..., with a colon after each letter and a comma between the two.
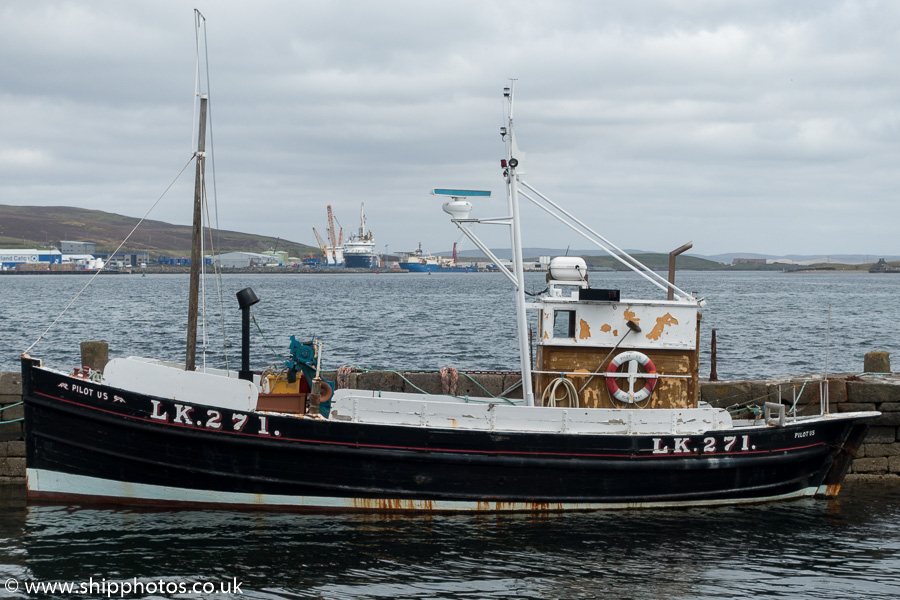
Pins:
x: 241, y: 260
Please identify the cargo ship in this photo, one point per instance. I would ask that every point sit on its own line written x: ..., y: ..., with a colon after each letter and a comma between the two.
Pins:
x: 420, y: 261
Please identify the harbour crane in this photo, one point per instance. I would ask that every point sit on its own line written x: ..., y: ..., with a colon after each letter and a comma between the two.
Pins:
x: 331, y: 237
x: 321, y: 245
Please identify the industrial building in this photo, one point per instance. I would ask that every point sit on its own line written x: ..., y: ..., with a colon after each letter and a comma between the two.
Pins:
x: 67, y: 247
x: 11, y: 259
x: 242, y: 260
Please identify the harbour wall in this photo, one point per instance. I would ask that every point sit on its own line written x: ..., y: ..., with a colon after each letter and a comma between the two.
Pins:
x: 878, y: 458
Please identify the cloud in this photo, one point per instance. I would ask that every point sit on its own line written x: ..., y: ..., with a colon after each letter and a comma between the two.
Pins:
x: 761, y: 126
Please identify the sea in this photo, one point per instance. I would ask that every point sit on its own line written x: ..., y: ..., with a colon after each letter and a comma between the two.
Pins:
x: 767, y: 324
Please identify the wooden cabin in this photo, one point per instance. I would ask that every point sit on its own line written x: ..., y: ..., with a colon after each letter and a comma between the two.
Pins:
x: 581, y: 330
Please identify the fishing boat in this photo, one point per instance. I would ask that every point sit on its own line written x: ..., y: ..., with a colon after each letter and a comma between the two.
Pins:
x: 609, y: 415
x: 420, y: 261
x: 359, y: 250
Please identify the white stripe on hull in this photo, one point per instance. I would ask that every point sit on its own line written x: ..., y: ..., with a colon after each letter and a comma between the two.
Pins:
x: 43, y: 484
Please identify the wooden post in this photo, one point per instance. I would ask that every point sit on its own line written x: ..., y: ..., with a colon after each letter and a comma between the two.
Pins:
x: 713, y: 375
x: 672, y: 255
x: 194, y: 299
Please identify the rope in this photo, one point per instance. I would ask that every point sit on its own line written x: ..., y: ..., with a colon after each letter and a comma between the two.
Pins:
x: 252, y: 316
x: 2, y: 408
x: 420, y: 390
x: 449, y: 380
x: 570, y: 394
x: 343, y: 377
x: 481, y: 387
x: 91, y: 280
x: 218, y: 277
x: 797, y: 399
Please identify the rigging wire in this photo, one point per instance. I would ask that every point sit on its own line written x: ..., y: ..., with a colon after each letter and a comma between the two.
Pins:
x: 119, y: 247
x: 218, y: 276
x: 214, y: 241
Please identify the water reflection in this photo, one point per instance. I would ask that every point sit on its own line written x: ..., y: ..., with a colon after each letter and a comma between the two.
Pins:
x: 810, y: 548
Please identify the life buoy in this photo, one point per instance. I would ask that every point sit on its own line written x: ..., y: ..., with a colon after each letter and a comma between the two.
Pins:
x: 612, y: 373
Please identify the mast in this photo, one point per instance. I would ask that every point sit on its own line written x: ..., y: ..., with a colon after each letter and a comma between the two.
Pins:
x: 196, y: 237
x: 512, y: 189
x: 362, y: 221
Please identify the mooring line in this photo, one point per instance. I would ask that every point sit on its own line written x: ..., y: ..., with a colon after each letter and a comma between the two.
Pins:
x: 94, y: 276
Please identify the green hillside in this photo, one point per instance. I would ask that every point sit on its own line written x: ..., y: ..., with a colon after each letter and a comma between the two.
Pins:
x: 41, y: 226
x: 660, y: 262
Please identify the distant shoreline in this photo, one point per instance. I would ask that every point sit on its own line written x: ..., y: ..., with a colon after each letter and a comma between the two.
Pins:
x: 155, y: 270
x: 187, y: 270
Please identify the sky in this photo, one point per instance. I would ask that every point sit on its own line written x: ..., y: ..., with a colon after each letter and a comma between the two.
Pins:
x: 759, y: 127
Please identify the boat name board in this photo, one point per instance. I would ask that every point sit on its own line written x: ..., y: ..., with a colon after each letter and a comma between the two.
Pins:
x: 711, y: 445
x: 184, y: 415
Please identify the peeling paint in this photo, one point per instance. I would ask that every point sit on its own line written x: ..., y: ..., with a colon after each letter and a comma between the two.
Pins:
x: 584, y: 331
x: 605, y: 328
x: 661, y: 324
x: 631, y: 316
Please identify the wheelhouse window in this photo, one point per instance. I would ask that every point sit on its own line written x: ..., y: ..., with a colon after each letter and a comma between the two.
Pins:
x: 564, y: 323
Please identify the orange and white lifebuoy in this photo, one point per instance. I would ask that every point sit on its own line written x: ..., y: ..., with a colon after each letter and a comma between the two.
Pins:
x: 649, y: 374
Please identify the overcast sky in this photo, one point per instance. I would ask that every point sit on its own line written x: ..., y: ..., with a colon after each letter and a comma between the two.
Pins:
x: 741, y: 126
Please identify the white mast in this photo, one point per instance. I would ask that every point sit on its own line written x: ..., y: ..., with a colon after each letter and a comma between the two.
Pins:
x: 512, y: 190
x: 458, y: 209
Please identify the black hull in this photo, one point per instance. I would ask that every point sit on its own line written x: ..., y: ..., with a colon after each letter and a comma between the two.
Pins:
x: 124, y: 447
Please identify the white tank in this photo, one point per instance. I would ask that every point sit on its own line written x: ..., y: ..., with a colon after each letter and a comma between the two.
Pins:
x: 568, y: 268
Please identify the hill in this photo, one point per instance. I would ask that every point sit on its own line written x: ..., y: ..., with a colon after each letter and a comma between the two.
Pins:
x: 660, y: 262
x: 40, y: 226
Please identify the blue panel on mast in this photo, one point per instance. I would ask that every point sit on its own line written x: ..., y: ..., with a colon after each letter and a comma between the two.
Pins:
x: 460, y: 193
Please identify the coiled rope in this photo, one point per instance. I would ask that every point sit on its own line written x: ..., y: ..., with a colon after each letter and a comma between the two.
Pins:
x: 569, y: 393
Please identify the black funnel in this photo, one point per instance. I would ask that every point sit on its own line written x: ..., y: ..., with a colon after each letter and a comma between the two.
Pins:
x: 246, y: 298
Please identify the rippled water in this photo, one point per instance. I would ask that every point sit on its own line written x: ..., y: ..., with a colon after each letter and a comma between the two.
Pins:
x: 846, y: 548
x: 767, y: 323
